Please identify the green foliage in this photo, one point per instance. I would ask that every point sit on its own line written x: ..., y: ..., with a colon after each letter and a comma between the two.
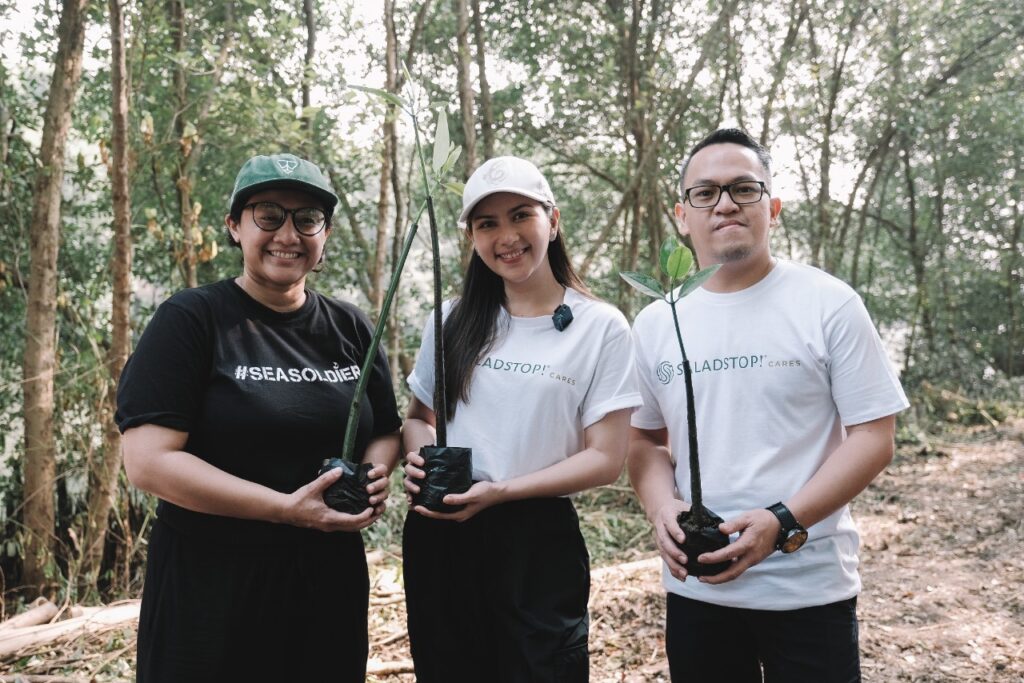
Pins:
x: 676, y: 262
x: 920, y: 101
x: 645, y: 284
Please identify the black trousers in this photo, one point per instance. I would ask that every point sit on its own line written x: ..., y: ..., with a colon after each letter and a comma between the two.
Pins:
x: 220, y: 611
x: 501, y: 597
x: 710, y: 643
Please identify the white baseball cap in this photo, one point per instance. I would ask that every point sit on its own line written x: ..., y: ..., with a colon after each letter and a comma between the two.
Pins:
x: 504, y: 174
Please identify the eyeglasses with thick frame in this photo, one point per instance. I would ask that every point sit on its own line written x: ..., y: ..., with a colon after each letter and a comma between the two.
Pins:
x: 269, y: 216
x: 741, y: 192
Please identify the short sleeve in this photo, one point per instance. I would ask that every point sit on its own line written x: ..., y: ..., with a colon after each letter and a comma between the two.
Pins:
x: 421, y: 380
x: 164, y: 380
x: 613, y: 385
x: 381, y: 393
x: 648, y: 416
x: 864, y: 385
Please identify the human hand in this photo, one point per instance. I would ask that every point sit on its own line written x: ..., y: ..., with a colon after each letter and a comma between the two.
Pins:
x: 379, y: 489
x: 758, y: 530
x: 305, y: 507
x: 413, y: 471
x: 667, y: 534
x: 481, y: 495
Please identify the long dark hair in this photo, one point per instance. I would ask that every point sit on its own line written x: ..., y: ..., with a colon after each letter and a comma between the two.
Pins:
x: 472, y: 326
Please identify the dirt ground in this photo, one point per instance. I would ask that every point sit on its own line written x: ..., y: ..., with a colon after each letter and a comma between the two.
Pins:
x: 941, y: 563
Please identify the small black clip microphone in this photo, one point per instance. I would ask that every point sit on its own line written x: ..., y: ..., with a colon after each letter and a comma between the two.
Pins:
x: 562, y: 317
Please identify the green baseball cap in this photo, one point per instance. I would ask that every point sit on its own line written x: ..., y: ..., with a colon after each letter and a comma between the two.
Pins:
x: 281, y: 170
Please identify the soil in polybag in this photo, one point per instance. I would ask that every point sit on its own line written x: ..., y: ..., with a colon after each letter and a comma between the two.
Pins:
x: 702, y: 538
x: 348, y: 494
x: 449, y: 469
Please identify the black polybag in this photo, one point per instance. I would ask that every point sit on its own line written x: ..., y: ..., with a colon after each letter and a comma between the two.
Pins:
x: 702, y: 538
x: 449, y: 469
x: 348, y: 494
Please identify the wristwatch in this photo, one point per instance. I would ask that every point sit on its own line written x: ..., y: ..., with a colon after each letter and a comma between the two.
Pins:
x: 792, y: 535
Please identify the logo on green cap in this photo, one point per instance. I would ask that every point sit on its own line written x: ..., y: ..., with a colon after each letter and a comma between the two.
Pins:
x: 287, y: 165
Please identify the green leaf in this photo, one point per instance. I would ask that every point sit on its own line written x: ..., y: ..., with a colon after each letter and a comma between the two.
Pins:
x: 383, y: 94
x: 699, y: 278
x: 643, y: 283
x: 438, y: 104
x: 667, y: 247
x: 442, y: 143
x: 455, y: 188
x: 453, y: 156
x: 679, y: 263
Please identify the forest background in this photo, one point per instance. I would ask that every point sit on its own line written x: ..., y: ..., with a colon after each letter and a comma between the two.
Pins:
x: 898, y: 132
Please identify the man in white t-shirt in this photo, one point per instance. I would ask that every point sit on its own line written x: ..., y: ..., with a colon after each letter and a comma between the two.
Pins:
x: 795, y: 404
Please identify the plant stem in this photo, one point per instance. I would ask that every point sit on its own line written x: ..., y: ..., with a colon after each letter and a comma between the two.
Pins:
x: 440, y: 394
x: 371, y: 353
x: 440, y: 397
x: 696, y: 499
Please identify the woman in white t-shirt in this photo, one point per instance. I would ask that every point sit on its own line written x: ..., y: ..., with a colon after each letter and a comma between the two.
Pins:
x: 498, y: 591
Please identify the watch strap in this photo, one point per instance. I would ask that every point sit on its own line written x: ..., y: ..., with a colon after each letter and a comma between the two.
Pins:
x: 792, y: 534
x: 785, y: 517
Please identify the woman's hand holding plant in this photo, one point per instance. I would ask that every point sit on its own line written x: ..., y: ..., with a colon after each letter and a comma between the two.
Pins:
x: 480, y: 496
x: 305, y: 507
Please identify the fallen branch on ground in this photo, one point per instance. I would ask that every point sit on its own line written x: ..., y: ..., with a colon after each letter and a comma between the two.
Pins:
x: 388, y: 668
x: 39, y: 612
x: 98, y: 619
x: 29, y: 678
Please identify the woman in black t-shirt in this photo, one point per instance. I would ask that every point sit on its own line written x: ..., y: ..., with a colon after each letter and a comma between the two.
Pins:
x: 235, y: 394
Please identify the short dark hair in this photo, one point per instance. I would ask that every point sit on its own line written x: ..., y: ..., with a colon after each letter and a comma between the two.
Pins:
x: 734, y: 136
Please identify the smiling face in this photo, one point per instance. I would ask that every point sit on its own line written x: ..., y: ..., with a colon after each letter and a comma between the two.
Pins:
x: 735, y: 235
x: 511, y: 234
x: 277, y: 261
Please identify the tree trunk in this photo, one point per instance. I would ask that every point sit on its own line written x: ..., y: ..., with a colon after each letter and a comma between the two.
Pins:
x: 839, y: 246
x: 917, y: 253
x: 190, y: 143
x: 398, y: 371
x: 646, y: 163
x: 1013, y: 281
x: 378, y: 280
x: 462, y: 66
x: 103, y: 473
x: 486, y: 109
x: 40, y: 332
x: 307, y: 72
x: 863, y: 219
x: 182, y: 180
x: 5, y: 121
x: 796, y: 18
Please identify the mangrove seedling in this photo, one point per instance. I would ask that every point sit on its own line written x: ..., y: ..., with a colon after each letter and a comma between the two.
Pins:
x: 349, y: 494
x: 698, y: 523
x: 447, y: 469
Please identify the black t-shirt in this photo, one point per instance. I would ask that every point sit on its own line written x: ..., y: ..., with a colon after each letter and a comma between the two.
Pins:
x: 262, y: 395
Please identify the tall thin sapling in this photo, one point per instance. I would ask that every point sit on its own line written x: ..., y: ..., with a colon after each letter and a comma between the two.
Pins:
x: 447, y: 469
x: 698, y: 523
x: 348, y: 494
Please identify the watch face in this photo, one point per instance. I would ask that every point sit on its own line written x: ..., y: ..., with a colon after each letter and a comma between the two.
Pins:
x: 796, y: 538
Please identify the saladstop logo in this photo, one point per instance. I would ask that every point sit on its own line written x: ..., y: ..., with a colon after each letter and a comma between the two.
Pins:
x: 665, y: 372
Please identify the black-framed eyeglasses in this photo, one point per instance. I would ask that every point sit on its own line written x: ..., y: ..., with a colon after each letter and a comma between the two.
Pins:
x: 269, y: 216
x: 742, y: 192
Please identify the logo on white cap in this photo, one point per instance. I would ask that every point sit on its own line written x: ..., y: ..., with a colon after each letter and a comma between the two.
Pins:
x: 286, y: 165
x: 496, y: 173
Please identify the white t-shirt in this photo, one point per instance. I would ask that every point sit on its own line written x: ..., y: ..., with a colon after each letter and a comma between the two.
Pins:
x: 535, y: 391
x: 778, y: 369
